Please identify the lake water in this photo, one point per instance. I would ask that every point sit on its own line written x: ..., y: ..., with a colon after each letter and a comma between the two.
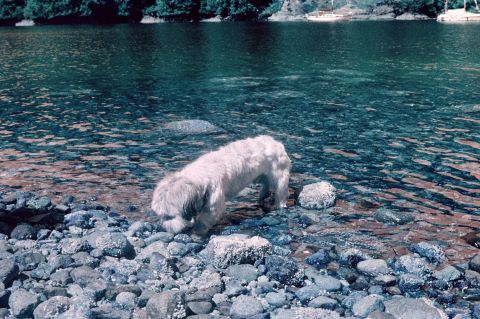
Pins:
x: 389, y: 112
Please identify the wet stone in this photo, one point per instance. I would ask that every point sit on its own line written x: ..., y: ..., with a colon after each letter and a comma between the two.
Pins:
x: 409, y: 282
x: 474, y: 263
x: 52, y: 308
x: 432, y: 252
x: 373, y: 267
x: 323, y: 302
x: 111, y: 244
x: 8, y: 271
x: 352, y: 256
x: 42, y: 203
x: 245, y: 307
x: 366, y: 305
x: 200, y: 307
x: 308, y: 293
x: 191, y: 127
x: 472, y: 278
x: 23, y: 231
x: 79, y: 218
x: 407, y: 308
x: 245, y: 272
x: 390, y: 217
x: 413, y: 265
x: 22, y: 303
x: 319, y: 259
x: 168, y: 304
x: 319, y: 195
x: 283, y: 269
x: 276, y: 299
x: 449, y: 273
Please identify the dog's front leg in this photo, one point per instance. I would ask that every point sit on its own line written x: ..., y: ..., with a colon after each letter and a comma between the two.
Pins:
x: 211, y: 213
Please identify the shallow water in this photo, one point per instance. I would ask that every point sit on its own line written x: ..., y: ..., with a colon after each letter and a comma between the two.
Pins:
x: 387, y: 111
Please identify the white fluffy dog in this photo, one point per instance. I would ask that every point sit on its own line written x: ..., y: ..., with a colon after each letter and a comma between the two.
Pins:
x: 195, y: 196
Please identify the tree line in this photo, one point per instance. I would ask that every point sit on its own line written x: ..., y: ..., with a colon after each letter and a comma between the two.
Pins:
x: 109, y: 11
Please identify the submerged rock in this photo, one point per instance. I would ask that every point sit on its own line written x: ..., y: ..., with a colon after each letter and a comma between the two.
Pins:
x: 190, y: 127
x: 390, y: 217
x: 223, y: 251
x: 305, y: 313
x: 317, y: 195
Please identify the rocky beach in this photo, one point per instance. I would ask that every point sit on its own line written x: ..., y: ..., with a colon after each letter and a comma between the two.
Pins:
x: 76, y: 260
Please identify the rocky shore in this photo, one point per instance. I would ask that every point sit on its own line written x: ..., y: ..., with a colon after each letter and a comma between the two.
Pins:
x: 74, y: 260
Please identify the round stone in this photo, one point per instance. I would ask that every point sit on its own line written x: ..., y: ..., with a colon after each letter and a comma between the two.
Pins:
x: 373, y: 267
x: 23, y: 231
x: 245, y: 307
x: 317, y: 195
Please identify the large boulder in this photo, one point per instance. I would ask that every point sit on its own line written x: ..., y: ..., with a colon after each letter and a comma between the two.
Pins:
x: 317, y: 195
x: 408, y: 308
x: 223, y: 251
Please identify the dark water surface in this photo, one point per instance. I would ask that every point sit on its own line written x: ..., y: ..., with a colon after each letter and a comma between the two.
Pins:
x: 387, y: 111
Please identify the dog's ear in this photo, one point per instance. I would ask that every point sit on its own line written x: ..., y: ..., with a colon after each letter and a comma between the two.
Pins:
x: 196, y: 201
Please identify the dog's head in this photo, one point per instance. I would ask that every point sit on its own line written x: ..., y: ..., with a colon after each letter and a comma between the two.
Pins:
x: 177, y: 200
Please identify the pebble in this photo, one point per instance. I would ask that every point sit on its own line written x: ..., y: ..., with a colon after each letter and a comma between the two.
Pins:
x: 245, y: 272
x: 283, y: 269
x: 390, y: 217
x: 448, y: 273
x: 373, y: 267
x: 245, y: 307
x: 368, y: 304
x: 319, y: 195
x: 323, y: 302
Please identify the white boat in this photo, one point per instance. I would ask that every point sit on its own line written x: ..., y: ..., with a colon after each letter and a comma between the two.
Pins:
x: 25, y: 23
x: 459, y: 15
x: 326, y: 16
x: 150, y: 20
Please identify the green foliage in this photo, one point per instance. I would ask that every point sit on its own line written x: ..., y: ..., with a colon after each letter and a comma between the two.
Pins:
x: 11, y: 9
x: 119, y: 10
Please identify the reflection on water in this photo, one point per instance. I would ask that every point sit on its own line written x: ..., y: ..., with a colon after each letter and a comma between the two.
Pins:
x: 387, y: 111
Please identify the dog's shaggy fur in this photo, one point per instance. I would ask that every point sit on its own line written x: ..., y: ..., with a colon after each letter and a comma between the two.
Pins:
x: 195, y: 196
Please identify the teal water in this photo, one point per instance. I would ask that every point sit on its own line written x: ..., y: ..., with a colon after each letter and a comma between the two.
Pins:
x: 387, y: 111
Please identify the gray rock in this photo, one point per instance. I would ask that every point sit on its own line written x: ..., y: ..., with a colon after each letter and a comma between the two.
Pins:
x: 449, y: 273
x: 84, y: 276
x: 126, y: 299
x: 177, y: 249
x: 328, y: 283
x: 60, y: 261
x: 200, y: 307
x: 413, y: 265
x: 433, y: 253
x: 8, y: 271
x: 385, y: 280
x: 209, y: 282
x: 393, y: 217
x: 223, y: 251
x: 410, y: 282
x: 308, y: 293
x: 245, y: 272
x: 79, y: 218
x: 352, y: 256
x: 61, y: 278
x: 305, y: 313
x: 43, y: 271
x: 407, y: 308
x: 276, y: 299
x: 22, y: 303
x: 167, y: 304
x: 190, y: 127
x: 71, y: 246
x: 472, y: 278
x: 245, y: 307
x: 23, y: 231
x: 351, y: 299
x: 366, y: 305
x: 42, y: 203
x: 155, y: 247
x: 284, y: 270
x: 474, y: 263
x: 51, y: 308
x: 319, y: 259
x: 323, y: 302
x: 161, y: 236
x: 111, y: 243
x: 28, y: 260
x: 317, y: 195
x: 373, y: 267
